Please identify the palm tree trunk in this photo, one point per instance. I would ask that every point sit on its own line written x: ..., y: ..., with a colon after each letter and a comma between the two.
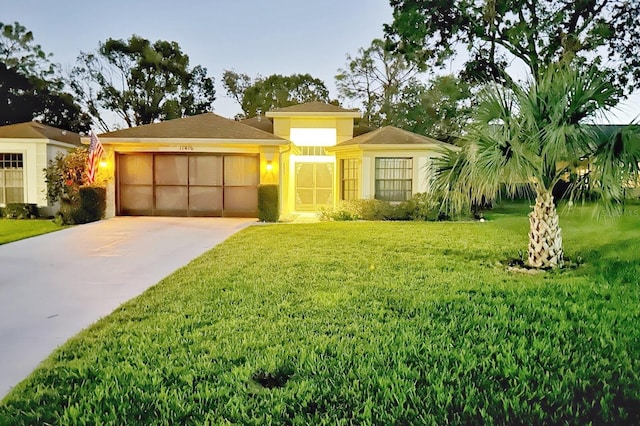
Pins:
x: 545, y: 238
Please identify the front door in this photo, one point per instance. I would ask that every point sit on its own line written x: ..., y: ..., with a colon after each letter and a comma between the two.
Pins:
x: 314, y: 186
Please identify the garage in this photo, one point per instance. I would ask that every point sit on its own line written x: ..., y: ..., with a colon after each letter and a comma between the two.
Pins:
x: 187, y: 184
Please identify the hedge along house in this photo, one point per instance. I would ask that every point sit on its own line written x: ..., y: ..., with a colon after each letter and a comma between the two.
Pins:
x: 25, y: 151
x: 207, y: 165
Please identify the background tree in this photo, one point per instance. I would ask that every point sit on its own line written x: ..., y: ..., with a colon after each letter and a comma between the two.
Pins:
x: 535, y: 32
x: 375, y: 78
x: 275, y: 91
x: 141, y: 82
x: 532, y: 136
x: 439, y: 109
x: 31, y: 86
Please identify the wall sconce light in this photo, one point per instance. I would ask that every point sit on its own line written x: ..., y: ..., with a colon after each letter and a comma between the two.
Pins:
x: 103, y: 164
x: 269, y: 166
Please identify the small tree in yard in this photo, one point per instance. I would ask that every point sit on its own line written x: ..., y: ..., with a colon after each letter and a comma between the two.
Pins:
x: 65, y: 175
x: 532, y: 136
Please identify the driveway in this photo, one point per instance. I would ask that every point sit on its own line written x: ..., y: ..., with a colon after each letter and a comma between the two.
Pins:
x: 54, y: 285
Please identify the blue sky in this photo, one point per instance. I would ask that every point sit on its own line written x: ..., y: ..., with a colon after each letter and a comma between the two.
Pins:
x: 250, y: 36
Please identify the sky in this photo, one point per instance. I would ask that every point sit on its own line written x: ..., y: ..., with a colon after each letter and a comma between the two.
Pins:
x: 250, y: 36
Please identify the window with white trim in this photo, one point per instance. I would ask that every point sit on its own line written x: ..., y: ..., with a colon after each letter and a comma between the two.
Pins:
x: 349, y: 179
x: 394, y: 179
x: 11, y: 178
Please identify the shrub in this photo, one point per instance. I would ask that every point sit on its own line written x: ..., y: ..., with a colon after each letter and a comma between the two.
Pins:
x: 268, y: 208
x: 420, y: 207
x: 21, y: 211
x: 89, y: 207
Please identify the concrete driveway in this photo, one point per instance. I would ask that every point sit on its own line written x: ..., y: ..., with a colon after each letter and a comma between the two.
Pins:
x: 54, y: 285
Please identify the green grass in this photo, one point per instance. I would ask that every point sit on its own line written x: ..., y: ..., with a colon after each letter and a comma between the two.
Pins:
x: 14, y: 230
x: 364, y: 323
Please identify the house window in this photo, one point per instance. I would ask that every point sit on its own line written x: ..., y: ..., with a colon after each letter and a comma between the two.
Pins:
x: 349, y: 179
x: 312, y: 150
x: 11, y: 179
x: 394, y: 178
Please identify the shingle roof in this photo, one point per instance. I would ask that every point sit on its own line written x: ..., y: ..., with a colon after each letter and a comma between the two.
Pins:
x: 390, y: 135
x: 313, y: 108
x: 35, y: 130
x: 261, y: 123
x: 202, y: 126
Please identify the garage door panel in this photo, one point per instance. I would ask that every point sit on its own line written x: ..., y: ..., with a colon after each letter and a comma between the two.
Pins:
x: 205, y: 170
x: 205, y: 199
x: 136, y: 169
x: 172, y: 198
x: 171, y: 170
x: 241, y: 170
x: 136, y: 198
x: 241, y: 201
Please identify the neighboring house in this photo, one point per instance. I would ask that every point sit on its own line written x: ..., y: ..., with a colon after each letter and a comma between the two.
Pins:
x: 25, y: 151
x: 207, y: 165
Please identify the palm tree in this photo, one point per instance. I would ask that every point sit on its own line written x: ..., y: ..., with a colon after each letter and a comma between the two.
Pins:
x: 532, y: 136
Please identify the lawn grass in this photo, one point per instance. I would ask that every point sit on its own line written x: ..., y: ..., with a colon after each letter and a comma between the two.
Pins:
x: 364, y: 323
x: 14, y: 230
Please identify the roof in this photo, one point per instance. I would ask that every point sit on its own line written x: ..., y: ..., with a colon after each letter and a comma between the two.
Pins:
x: 314, y: 109
x: 390, y: 135
x: 202, y: 126
x: 35, y: 130
x: 262, y: 123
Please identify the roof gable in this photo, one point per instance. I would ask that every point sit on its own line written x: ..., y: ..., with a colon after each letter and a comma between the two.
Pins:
x: 35, y: 130
x: 202, y: 126
x: 390, y: 135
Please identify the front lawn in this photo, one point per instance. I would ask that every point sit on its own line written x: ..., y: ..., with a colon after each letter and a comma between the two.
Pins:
x: 14, y: 230
x: 364, y: 323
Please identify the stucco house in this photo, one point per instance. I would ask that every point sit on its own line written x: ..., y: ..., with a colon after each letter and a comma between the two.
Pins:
x: 25, y: 151
x: 207, y: 165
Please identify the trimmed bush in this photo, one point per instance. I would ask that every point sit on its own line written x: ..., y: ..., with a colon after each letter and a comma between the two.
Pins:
x: 268, y: 208
x: 89, y: 207
x: 21, y: 211
x: 424, y: 207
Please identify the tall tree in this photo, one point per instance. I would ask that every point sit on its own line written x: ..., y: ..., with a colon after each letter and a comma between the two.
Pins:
x: 31, y: 86
x: 535, y: 32
x: 532, y: 136
x: 275, y: 91
x: 141, y: 82
x: 439, y: 109
x: 376, y: 79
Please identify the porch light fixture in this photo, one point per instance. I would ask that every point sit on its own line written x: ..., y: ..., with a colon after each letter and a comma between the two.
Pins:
x: 269, y: 166
x: 103, y: 164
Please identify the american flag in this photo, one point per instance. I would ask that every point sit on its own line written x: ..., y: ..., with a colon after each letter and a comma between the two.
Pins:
x: 96, y: 152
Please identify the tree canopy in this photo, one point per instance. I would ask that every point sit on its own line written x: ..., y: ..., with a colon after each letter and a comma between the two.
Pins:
x: 141, y: 82
x: 535, y: 32
x: 392, y: 91
x: 376, y: 78
x: 31, y: 86
x: 262, y: 94
x: 439, y: 109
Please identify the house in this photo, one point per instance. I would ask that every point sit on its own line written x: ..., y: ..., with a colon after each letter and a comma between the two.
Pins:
x: 207, y: 165
x: 25, y: 151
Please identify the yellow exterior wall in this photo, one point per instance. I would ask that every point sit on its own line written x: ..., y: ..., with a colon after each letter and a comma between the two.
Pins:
x: 282, y: 127
x: 344, y: 126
